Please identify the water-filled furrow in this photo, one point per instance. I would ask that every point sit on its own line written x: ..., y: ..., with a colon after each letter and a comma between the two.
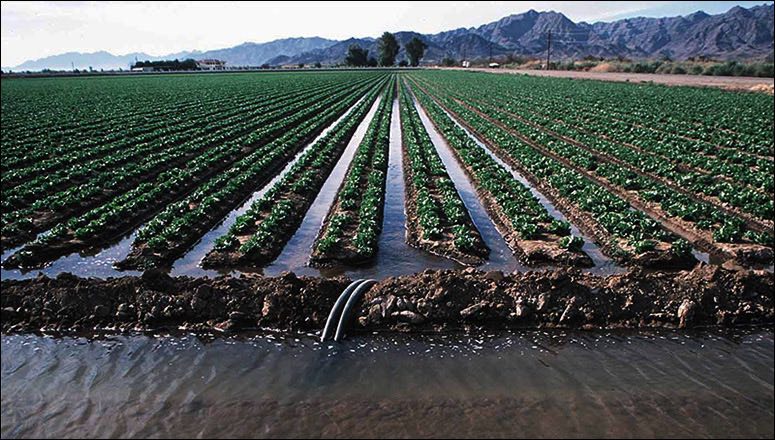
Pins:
x: 394, y: 255
x: 501, y: 256
x: 602, y: 264
x: 295, y: 255
x: 190, y: 263
x: 98, y: 263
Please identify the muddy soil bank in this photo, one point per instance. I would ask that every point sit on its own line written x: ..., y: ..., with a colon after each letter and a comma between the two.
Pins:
x: 433, y: 300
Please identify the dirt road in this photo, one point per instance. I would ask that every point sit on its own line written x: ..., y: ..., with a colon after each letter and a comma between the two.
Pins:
x: 726, y: 82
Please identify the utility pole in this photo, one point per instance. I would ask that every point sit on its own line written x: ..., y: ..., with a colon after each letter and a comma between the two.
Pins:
x: 548, y: 48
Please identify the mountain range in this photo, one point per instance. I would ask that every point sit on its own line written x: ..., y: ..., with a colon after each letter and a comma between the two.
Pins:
x: 738, y: 34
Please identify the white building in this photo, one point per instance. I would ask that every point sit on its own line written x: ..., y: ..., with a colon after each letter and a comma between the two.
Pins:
x: 211, y: 64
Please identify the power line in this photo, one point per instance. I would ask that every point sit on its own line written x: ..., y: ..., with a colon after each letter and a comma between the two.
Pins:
x: 548, y: 48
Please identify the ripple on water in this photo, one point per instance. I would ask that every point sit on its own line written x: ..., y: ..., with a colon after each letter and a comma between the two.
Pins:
x: 540, y: 383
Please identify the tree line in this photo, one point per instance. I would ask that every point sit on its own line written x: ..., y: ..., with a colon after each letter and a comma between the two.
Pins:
x: 187, y: 64
x: 388, y: 48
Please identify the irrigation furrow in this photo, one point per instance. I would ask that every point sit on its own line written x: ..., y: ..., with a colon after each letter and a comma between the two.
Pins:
x: 612, y: 246
x: 351, y: 227
x: 299, y: 248
x: 752, y: 222
x: 171, y: 187
x: 500, y: 251
x: 258, y: 236
x: 675, y: 226
x: 437, y: 219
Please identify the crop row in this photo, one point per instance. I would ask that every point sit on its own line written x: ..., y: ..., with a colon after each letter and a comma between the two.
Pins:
x: 689, y: 154
x: 719, y: 193
x: 96, y: 190
x: 724, y: 227
x: 29, y: 140
x: 44, y: 118
x: 133, y: 207
x: 50, y: 152
x: 170, y: 233
x: 353, y: 225
x: 259, y: 235
x: 627, y: 234
x: 632, y: 169
x: 438, y: 221
x: 740, y: 121
x: 166, y: 136
x: 82, y: 154
x: 533, y: 234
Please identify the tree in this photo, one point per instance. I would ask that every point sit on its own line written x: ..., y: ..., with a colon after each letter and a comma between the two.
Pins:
x: 415, y: 49
x: 356, y: 56
x: 388, y: 49
x: 317, y: 65
x: 372, y: 62
x: 403, y: 63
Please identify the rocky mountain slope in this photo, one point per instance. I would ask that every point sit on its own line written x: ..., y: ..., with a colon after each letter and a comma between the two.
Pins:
x: 738, y: 34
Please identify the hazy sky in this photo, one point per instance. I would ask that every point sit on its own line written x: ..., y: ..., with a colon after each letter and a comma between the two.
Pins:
x: 32, y: 30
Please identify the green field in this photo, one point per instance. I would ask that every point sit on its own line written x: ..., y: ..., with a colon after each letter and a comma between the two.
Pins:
x: 648, y: 173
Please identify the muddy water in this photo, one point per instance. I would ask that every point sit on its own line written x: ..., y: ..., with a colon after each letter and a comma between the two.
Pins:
x: 533, y: 384
x: 501, y: 256
x: 98, y: 264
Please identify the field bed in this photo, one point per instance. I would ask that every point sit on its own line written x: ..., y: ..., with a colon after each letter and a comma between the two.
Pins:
x: 533, y: 236
x: 659, y: 255
x: 133, y: 208
x: 266, y: 172
x: 696, y: 118
x: 259, y: 235
x: 352, y: 226
x: 746, y: 252
x: 46, y: 212
x: 168, y: 235
x: 755, y: 206
x: 437, y: 219
x: 745, y: 191
x: 679, y: 212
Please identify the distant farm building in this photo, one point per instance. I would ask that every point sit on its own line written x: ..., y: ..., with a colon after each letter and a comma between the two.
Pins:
x: 211, y: 64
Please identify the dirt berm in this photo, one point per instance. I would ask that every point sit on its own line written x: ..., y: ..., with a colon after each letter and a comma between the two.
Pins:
x: 427, y: 301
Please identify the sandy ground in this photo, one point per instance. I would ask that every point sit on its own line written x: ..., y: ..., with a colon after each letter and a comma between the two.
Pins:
x: 726, y: 82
